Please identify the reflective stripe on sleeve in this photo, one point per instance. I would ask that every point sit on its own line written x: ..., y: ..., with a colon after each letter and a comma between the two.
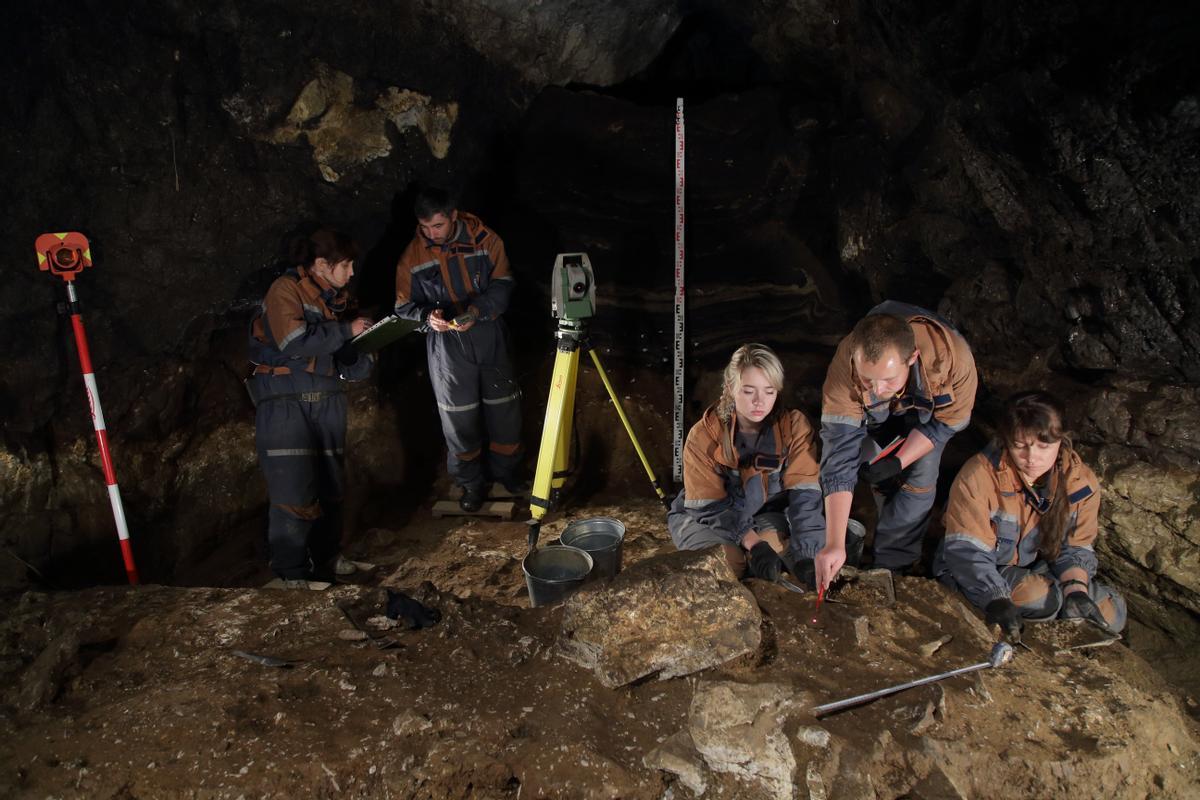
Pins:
x: 971, y: 540
x: 837, y: 419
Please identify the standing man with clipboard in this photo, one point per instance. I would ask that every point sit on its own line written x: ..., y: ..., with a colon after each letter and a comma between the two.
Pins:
x: 454, y: 279
x: 904, y: 380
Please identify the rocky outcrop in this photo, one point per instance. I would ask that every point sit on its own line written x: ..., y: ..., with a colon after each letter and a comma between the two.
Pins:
x: 667, y: 616
x: 571, y: 41
x: 738, y: 729
x: 344, y: 136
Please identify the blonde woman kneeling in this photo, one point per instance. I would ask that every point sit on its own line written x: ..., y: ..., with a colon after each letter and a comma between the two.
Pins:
x: 750, y: 476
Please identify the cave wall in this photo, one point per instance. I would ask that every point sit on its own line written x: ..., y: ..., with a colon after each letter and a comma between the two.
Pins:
x: 1031, y: 172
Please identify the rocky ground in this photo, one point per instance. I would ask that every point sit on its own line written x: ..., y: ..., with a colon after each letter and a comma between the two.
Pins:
x: 138, y: 693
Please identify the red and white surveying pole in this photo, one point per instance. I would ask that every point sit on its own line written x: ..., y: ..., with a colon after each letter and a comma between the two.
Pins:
x: 680, y: 298
x: 66, y: 255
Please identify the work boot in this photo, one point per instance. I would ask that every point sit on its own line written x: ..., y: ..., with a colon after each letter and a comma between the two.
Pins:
x: 344, y: 566
x: 472, y: 499
x: 516, y: 487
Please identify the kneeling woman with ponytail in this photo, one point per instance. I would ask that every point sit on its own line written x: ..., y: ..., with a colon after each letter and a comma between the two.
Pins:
x: 750, y: 476
x: 1021, y: 524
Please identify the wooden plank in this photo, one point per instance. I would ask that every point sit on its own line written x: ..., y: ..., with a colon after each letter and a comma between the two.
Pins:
x: 498, y: 492
x: 316, y: 586
x: 492, y: 508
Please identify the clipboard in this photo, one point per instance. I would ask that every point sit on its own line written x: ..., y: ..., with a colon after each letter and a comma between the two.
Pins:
x: 382, y: 333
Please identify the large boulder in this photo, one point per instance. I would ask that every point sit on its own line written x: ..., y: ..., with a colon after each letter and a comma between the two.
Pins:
x: 671, y: 615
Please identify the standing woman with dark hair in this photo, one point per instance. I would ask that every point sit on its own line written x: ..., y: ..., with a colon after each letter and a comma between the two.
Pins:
x: 1021, y: 525
x: 750, y: 476
x: 302, y: 357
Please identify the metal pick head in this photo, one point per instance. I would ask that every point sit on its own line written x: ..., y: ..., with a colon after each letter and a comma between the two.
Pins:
x: 1002, y: 653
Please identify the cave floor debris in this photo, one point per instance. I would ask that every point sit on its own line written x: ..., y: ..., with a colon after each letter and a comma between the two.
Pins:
x: 137, y: 692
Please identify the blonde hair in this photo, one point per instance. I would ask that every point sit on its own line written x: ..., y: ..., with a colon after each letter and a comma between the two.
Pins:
x: 745, y: 357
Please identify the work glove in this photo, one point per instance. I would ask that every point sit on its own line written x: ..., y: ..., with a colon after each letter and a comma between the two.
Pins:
x: 414, y: 615
x: 346, y: 355
x: 1003, y: 612
x: 804, y: 571
x: 885, y: 469
x: 1078, y: 605
x: 765, y: 563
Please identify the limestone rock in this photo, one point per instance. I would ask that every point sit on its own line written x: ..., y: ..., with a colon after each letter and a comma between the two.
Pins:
x: 678, y: 755
x: 43, y: 678
x: 672, y: 615
x: 575, y: 41
x: 738, y: 728
x: 937, y: 785
x: 344, y: 135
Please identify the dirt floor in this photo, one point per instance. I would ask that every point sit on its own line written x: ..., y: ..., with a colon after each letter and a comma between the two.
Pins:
x: 137, y: 693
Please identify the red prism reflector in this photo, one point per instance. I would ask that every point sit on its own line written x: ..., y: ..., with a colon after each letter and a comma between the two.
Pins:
x: 63, y: 254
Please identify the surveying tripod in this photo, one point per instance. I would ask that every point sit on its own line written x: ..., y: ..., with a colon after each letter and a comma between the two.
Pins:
x: 573, y: 299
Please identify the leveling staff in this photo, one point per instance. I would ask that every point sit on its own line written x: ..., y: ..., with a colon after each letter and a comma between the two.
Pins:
x: 454, y: 277
x: 302, y: 355
x: 902, y: 373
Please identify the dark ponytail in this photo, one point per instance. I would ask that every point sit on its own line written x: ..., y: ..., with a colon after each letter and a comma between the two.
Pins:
x: 1040, y: 414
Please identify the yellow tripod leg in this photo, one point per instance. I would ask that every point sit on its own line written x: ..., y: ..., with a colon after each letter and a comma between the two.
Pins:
x: 562, y: 454
x: 628, y: 428
x: 554, y: 446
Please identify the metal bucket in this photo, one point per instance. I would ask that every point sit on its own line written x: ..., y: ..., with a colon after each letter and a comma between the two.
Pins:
x: 601, y: 538
x: 856, y: 536
x: 553, y: 573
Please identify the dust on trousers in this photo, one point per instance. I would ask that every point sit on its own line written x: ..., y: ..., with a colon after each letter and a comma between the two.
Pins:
x: 478, y: 401
x: 301, y: 446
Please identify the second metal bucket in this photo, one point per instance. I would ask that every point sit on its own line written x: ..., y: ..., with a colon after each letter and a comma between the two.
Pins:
x: 552, y: 573
x: 601, y: 538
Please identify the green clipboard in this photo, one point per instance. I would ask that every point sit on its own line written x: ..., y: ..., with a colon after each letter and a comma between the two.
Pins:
x: 383, y: 333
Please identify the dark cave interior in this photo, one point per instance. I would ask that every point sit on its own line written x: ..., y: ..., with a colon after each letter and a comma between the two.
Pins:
x: 1030, y: 172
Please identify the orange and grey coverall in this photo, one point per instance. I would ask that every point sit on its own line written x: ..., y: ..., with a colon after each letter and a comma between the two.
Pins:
x: 300, y: 369
x: 736, y: 482
x: 472, y: 372
x: 992, y: 537
x: 855, y: 425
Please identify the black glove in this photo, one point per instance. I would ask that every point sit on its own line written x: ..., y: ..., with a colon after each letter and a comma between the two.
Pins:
x: 402, y: 607
x: 765, y: 563
x: 346, y: 355
x: 1078, y: 605
x: 885, y: 469
x: 1003, y: 612
x: 804, y: 571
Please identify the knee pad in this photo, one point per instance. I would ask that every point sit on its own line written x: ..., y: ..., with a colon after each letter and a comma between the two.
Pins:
x: 735, y: 559
x: 1038, y: 598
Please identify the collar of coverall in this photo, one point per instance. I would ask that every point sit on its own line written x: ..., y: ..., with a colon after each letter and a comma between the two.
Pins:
x: 725, y: 434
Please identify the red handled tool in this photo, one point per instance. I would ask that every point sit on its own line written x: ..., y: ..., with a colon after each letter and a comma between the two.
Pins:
x: 820, y: 597
x: 66, y: 255
x: 895, y: 445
